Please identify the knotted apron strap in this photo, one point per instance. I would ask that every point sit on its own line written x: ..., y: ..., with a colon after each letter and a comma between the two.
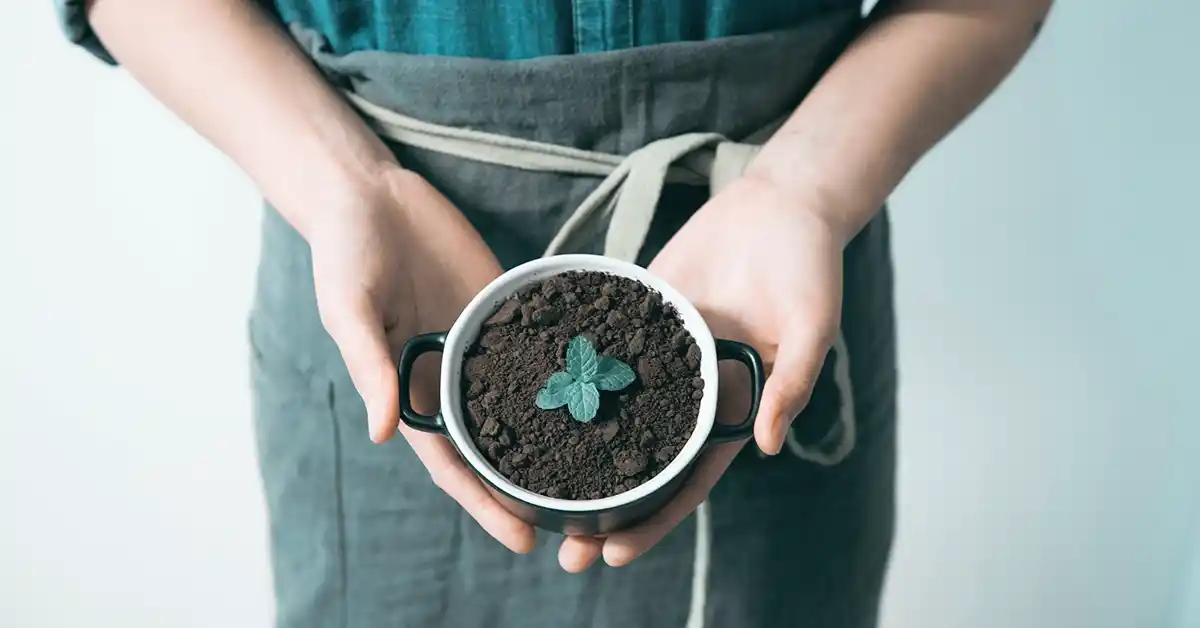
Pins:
x: 631, y: 193
x: 632, y: 186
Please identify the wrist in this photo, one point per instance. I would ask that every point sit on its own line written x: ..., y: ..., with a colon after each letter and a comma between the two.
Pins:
x: 318, y: 196
x: 843, y: 215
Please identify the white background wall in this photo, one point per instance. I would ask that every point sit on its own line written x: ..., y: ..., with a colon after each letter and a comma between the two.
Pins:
x: 1048, y: 311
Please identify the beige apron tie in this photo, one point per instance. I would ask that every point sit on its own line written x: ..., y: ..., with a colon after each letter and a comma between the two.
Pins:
x: 632, y: 185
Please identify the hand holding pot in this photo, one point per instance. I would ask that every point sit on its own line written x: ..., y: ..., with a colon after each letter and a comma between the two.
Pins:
x: 765, y: 269
x: 397, y: 261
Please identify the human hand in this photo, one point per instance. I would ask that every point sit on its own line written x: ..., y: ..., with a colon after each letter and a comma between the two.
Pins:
x: 395, y: 261
x: 765, y: 268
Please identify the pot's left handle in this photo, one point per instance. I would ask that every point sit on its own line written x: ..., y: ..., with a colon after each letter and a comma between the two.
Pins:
x: 413, y: 349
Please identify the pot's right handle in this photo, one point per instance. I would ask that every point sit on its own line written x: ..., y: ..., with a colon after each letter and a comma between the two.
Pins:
x: 413, y: 349
x: 744, y: 353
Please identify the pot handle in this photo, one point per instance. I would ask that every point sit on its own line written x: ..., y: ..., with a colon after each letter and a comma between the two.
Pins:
x: 413, y: 349
x: 744, y: 353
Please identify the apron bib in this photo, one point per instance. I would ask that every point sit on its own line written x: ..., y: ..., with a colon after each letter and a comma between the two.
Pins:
x: 604, y: 153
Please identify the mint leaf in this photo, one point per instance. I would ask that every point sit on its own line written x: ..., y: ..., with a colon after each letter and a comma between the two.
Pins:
x: 554, y: 393
x: 583, y: 400
x: 581, y: 359
x: 579, y: 386
x: 612, y: 374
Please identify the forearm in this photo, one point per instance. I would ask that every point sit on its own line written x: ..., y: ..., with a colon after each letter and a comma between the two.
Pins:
x: 234, y: 76
x: 917, y: 70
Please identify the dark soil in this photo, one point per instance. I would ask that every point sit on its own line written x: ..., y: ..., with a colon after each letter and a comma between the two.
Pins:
x: 636, y: 432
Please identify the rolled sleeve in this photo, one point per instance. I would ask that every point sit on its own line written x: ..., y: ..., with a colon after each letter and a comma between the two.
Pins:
x: 72, y: 17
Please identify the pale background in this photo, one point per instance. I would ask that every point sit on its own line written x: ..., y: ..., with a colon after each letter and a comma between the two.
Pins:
x: 1048, y: 316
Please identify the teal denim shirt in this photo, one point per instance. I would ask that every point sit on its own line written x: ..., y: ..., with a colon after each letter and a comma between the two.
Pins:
x: 511, y: 29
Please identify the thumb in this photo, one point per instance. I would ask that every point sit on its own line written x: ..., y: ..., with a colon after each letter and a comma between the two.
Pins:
x: 357, y: 329
x: 797, y: 365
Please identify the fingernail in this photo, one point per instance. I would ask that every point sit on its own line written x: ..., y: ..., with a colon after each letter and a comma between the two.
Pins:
x: 781, y: 433
x: 375, y: 430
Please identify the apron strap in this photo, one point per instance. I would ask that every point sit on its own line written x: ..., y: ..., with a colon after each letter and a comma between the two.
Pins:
x: 632, y: 185
x: 630, y: 194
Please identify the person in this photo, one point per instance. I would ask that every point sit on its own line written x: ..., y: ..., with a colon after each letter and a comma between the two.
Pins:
x: 369, y: 239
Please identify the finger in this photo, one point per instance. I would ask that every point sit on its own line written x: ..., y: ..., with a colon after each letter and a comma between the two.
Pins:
x: 623, y: 547
x: 357, y: 329
x: 577, y: 553
x: 451, y: 475
x: 797, y: 365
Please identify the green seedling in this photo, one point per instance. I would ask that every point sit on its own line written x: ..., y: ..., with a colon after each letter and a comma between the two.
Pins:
x: 578, y: 388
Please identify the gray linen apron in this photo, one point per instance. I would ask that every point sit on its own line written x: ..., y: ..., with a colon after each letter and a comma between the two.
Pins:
x: 361, y: 537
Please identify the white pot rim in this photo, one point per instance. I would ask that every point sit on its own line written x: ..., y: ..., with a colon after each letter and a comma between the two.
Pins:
x: 467, y: 327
